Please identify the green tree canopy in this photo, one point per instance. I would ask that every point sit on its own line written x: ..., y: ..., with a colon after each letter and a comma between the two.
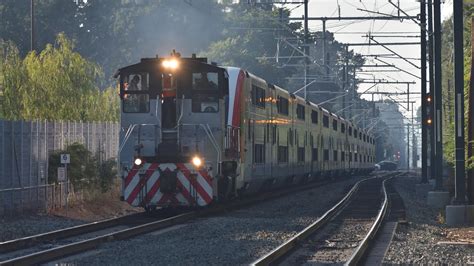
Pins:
x: 55, y: 84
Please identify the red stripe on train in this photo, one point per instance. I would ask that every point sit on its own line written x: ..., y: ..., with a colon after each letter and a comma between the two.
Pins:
x: 186, y: 173
x: 149, y: 172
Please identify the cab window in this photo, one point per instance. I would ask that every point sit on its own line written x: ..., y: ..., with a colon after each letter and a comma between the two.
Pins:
x: 205, y: 81
x: 205, y: 95
x: 135, y: 93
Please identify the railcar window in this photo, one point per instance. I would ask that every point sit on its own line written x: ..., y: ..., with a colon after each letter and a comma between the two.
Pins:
x: 314, y: 117
x: 301, y: 154
x: 334, y: 124
x: 343, y: 156
x: 258, y: 96
x: 326, y: 121
x: 300, y: 112
x: 314, y: 154
x: 360, y: 135
x: 355, y: 133
x: 205, y: 81
x: 334, y: 155
x: 326, y: 155
x: 343, y: 127
x: 282, y: 154
x: 350, y: 131
x: 259, y: 153
x: 350, y: 156
x: 355, y: 157
x: 282, y: 105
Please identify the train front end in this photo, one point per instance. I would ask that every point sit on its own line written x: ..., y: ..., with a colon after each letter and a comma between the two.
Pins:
x: 172, y: 116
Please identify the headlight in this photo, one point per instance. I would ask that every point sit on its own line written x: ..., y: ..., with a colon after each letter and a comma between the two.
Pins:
x: 138, y: 161
x: 171, y: 63
x: 196, y: 161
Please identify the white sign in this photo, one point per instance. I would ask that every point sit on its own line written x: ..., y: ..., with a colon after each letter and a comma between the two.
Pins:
x: 61, y: 174
x: 65, y: 158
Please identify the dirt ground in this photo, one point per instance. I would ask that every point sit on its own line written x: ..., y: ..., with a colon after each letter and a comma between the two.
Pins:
x: 96, y: 207
x: 464, y: 235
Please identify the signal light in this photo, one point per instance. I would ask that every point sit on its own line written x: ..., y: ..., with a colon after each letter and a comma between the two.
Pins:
x: 428, y: 98
x: 429, y: 121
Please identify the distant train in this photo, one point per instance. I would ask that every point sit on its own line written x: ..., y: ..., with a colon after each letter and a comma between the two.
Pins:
x: 193, y: 133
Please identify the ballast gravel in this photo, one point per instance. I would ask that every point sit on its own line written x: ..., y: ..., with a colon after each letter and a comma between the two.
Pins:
x: 32, y: 225
x: 238, y: 237
x: 417, y: 241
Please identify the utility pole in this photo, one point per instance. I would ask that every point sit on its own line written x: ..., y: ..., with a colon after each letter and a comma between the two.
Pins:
x: 432, y: 81
x: 424, y: 131
x: 438, y: 94
x: 460, y: 182
x: 32, y: 16
x: 470, y: 127
x: 306, y: 47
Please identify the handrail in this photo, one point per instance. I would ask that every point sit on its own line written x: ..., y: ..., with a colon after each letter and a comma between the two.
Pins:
x: 129, y: 133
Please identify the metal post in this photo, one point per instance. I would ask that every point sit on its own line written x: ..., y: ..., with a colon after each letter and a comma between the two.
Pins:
x: 306, y: 47
x: 470, y: 128
x: 326, y: 67
x: 424, y: 129
x: 32, y: 16
x: 432, y: 81
x: 460, y: 188
x: 408, y: 146
x: 438, y: 97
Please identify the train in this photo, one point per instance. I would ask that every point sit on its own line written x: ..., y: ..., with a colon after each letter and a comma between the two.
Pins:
x: 194, y: 133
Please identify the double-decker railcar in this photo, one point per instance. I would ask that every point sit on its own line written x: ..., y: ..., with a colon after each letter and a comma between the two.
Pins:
x: 193, y: 133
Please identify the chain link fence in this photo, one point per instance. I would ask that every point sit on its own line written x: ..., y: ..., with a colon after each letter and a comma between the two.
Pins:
x: 25, y: 147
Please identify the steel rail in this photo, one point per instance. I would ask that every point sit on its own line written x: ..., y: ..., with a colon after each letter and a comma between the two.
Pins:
x: 85, y: 245
x: 24, y: 242
x: 81, y: 246
x: 363, y: 246
x: 290, y: 244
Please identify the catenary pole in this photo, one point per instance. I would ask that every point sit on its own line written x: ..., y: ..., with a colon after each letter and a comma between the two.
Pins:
x: 438, y: 121
x: 460, y: 179
x: 424, y: 133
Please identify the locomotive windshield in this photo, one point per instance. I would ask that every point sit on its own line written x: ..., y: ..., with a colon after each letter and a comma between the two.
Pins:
x: 136, y: 98
x: 205, y: 95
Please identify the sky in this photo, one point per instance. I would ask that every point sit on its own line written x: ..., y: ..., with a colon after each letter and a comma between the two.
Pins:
x: 344, y: 32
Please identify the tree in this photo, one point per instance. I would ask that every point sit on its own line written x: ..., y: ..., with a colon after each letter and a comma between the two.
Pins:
x: 55, y: 84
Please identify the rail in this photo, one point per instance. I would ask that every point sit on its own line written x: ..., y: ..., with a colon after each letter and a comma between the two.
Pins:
x: 282, y: 250
x: 362, y: 248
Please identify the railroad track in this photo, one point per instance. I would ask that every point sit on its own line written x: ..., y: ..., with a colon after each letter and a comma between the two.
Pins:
x: 66, y: 242
x: 343, y: 233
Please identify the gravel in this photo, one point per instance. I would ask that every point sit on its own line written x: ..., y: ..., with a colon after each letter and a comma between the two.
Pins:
x: 238, y: 237
x: 32, y: 225
x: 416, y: 242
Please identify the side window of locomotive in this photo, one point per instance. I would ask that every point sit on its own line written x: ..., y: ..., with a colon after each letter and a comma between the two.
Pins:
x: 134, y: 100
x: 300, y: 112
x: 205, y: 96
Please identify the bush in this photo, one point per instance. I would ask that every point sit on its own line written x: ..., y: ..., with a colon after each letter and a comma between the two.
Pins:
x: 85, y: 172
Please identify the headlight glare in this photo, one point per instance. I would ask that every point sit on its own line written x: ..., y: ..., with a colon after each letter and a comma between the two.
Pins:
x: 196, y: 161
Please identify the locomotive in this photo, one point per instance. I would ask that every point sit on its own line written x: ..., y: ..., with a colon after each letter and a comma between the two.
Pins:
x: 193, y: 133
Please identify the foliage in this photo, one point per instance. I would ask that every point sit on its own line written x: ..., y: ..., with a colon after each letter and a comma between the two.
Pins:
x: 56, y: 84
x: 85, y: 171
x: 448, y: 83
